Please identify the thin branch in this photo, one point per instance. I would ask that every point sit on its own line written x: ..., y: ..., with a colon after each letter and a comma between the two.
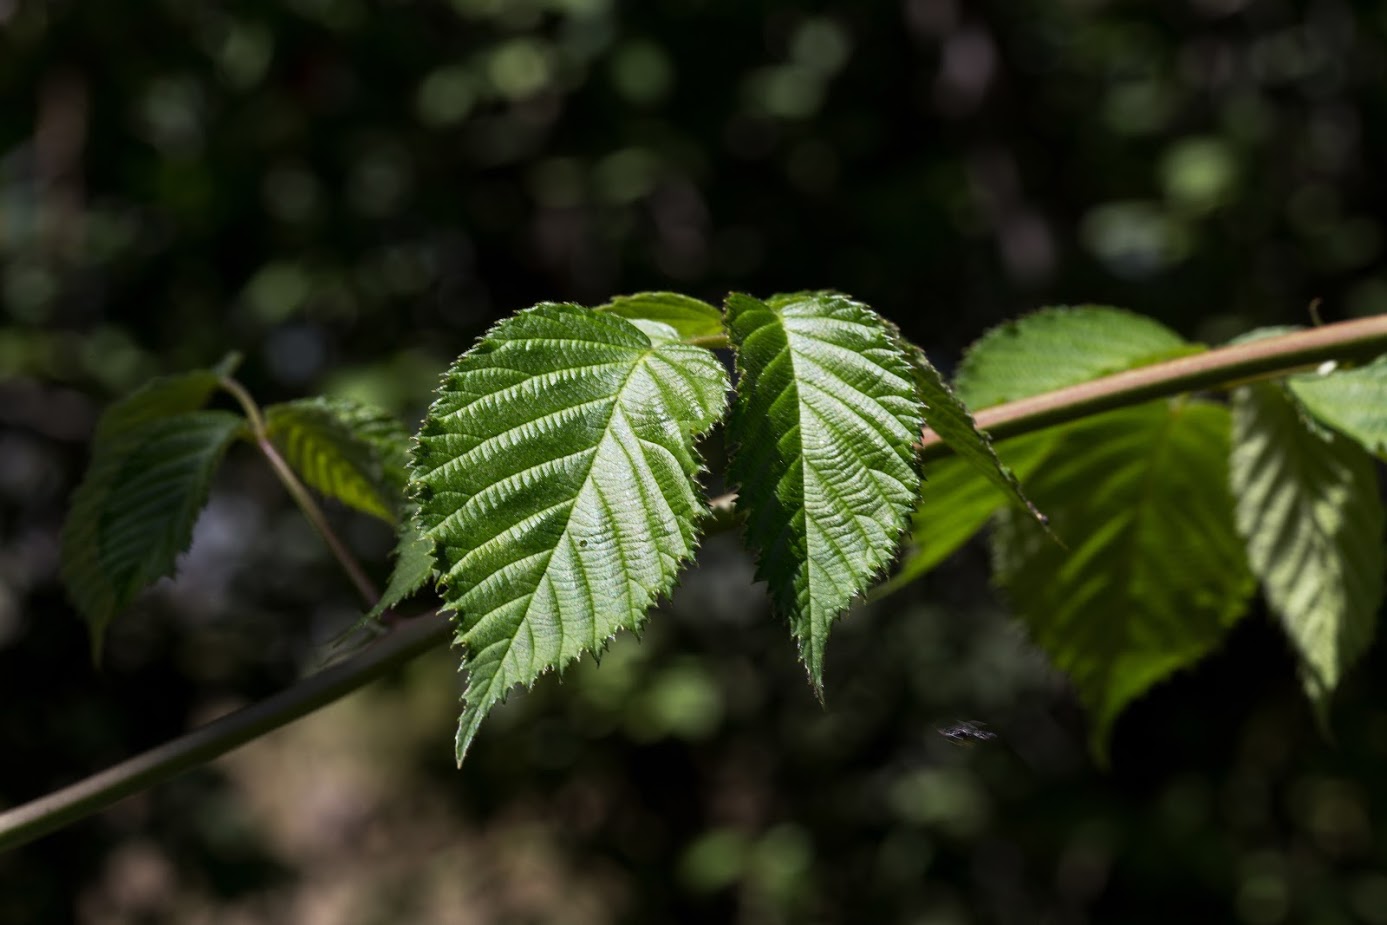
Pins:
x: 31, y: 820
x: 1346, y: 341
x: 301, y: 495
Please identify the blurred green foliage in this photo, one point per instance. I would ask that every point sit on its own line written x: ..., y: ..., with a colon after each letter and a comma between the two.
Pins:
x: 349, y: 191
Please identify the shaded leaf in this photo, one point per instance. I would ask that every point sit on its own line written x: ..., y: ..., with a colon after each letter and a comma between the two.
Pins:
x: 159, y: 398
x: 1352, y: 401
x: 688, y: 316
x: 947, y: 417
x: 1309, y: 509
x: 348, y: 451
x: 555, y: 474
x: 1058, y: 347
x: 823, y: 430
x: 1155, y: 572
x: 413, y: 568
x: 120, y: 432
x: 161, y: 487
x: 956, y: 500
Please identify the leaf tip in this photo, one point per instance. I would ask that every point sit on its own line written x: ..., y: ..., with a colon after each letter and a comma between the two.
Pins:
x: 98, y: 644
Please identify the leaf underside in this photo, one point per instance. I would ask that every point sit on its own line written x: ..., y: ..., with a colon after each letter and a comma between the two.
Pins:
x: 1058, y: 347
x: 1155, y: 573
x: 1050, y: 349
x: 1352, y: 401
x: 125, y: 430
x: 688, y: 316
x: 956, y: 501
x: 555, y: 475
x: 823, y: 433
x: 1309, y: 509
x: 347, y: 451
x: 946, y: 415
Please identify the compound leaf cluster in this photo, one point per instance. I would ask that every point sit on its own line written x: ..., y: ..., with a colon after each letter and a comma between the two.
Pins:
x: 552, y: 492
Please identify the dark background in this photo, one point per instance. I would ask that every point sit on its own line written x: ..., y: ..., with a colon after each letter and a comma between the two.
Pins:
x: 349, y: 192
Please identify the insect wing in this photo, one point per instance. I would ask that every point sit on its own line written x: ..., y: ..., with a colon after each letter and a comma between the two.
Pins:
x: 967, y: 732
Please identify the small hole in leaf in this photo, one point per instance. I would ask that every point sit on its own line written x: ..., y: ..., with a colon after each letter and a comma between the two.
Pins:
x: 582, y: 544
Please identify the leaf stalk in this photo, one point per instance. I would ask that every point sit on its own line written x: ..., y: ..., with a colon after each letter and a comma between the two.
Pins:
x: 300, y: 493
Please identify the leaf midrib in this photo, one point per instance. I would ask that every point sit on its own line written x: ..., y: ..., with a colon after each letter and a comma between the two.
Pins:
x: 508, y: 641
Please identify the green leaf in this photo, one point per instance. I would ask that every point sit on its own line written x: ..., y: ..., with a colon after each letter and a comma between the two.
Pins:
x: 1352, y: 401
x: 823, y: 430
x: 555, y: 473
x: 1059, y: 347
x: 348, y: 451
x: 135, y: 512
x: 414, y: 566
x: 956, y: 500
x: 1155, y: 572
x: 159, y: 398
x: 121, y: 432
x: 687, y: 315
x: 1309, y: 509
x: 161, y: 487
x: 947, y: 417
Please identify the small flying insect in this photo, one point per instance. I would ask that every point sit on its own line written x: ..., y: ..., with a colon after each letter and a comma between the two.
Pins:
x: 967, y: 733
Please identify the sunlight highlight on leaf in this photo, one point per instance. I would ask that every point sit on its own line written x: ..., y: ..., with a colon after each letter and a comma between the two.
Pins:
x: 555, y: 473
x: 1058, y: 347
x: 688, y: 316
x: 823, y: 433
x: 348, y: 451
x: 1352, y: 401
x: 1309, y: 509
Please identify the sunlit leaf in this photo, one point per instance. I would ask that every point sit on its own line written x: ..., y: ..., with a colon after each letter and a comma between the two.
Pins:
x: 1058, y: 347
x: 555, y: 474
x: 1352, y: 401
x: 1154, y: 573
x: 350, y: 452
x: 687, y: 315
x: 414, y: 565
x: 122, y: 432
x: 1309, y: 509
x: 823, y: 429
